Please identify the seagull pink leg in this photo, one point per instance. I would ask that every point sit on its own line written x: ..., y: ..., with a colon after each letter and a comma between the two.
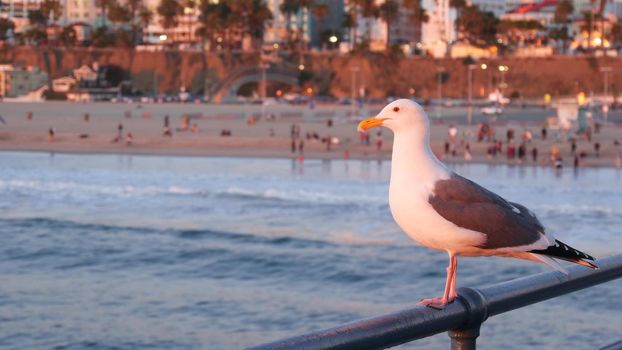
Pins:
x: 453, y: 292
x: 450, y: 283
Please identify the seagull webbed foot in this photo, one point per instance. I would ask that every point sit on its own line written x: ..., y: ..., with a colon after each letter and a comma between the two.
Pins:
x: 435, y: 303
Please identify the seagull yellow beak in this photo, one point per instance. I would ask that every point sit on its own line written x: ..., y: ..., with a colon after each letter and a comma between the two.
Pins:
x: 369, y: 123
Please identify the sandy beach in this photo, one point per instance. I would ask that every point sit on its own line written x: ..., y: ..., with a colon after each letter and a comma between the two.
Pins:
x: 196, y: 131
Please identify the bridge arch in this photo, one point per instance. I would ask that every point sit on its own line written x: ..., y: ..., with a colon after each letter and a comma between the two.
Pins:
x: 230, y: 86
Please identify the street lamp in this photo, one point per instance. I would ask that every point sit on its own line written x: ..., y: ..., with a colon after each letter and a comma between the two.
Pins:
x: 503, y: 69
x: 470, y: 92
x: 264, y: 88
x: 439, y: 73
x: 606, y: 71
x: 354, y: 70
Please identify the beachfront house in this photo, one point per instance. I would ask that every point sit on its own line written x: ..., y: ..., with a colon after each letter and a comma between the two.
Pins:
x: 19, y: 81
x: 63, y: 84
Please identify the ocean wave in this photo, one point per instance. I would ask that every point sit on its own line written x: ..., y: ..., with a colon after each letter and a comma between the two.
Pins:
x: 590, y: 211
x: 231, y: 192
x: 302, y: 196
x: 60, y: 225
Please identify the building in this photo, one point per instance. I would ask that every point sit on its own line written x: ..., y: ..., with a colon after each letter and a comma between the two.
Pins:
x: 332, y: 22
x: 17, y: 11
x: 543, y: 12
x: 439, y: 31
x: 183, y: 32
x: 498, y: 7
x: 19, y: 81
x: 63, y: 84
x: 276, y: 32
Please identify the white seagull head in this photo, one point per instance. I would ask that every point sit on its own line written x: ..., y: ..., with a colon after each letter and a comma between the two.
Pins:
x: 399, y: 115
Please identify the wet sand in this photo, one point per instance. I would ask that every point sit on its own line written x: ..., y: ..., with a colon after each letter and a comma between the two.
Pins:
x: 273, y: 138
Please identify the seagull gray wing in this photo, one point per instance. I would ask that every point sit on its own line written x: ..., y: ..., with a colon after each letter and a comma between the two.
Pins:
x: 470, y: 206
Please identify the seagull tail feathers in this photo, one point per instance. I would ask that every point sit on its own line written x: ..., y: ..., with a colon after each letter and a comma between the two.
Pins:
x: 551, y: 262
x: 565, y: 252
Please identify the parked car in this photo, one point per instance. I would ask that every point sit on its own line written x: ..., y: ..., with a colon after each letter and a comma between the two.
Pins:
x: 492, y: 110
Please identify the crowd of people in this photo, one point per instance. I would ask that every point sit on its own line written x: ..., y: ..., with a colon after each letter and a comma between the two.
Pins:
x: 515, y: 146
x: 520, y: 149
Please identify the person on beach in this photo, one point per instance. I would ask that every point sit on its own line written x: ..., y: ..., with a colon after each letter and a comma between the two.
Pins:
x: 51, y: 134
x: 554, y: 152
x: 543, y: 133
x: 452, y: 132
x: 301, y: 147
x: 119, y: 133
x: 510, y: 134
x: 534, y: 155
x: 129, y: 138
x: 166, y: 121
x: 511, y: 151
x: 293, y: 148
x: 362, y: 137
x: 167, y: 132
x: 527, y: 136
x: 597, y: 149
x: 522, y: 151
x: 467, y: 152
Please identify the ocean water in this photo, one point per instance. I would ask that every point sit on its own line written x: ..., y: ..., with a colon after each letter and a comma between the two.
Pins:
x: 141, y: 252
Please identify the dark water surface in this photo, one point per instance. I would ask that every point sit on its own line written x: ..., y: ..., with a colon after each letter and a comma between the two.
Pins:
x: 136, y: 252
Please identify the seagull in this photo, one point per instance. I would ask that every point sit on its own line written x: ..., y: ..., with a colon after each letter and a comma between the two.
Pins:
x: 444, y: 211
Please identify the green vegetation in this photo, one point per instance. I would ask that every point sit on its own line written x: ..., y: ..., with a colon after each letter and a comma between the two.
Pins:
x: 227, y: 25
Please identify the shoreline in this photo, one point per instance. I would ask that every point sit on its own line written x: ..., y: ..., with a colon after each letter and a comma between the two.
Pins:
x: 326, y: 157
x: 107, y: 130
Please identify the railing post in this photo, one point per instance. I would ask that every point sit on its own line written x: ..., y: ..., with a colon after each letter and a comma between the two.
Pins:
x: 464, y: 338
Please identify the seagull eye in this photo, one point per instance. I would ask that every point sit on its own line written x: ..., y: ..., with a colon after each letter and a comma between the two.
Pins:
x: 396, y: 109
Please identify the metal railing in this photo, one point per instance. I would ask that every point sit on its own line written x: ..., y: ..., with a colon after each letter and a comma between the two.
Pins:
x: 462, y: 318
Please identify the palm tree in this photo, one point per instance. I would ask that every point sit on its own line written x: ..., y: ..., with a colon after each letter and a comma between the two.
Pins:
x: 258, y: 18
x: 68, y: 36
x: 349, y: 22
x: 51, y: 9
x: 320, y: 12
x: 146, y: 16
x: 562, y: 14
x: 289, y: 8
x: 118, y: 13
x: 6, y: 26
x: 389, y: 12
x: 417, y: 13
x: 135, y: 9
x: 369, y: 10
x: 168, y: 11
x: 188, y: 9
x: 103, y: 7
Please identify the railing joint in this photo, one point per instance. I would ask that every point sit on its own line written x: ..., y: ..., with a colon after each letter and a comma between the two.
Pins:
x: 476, y: 306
